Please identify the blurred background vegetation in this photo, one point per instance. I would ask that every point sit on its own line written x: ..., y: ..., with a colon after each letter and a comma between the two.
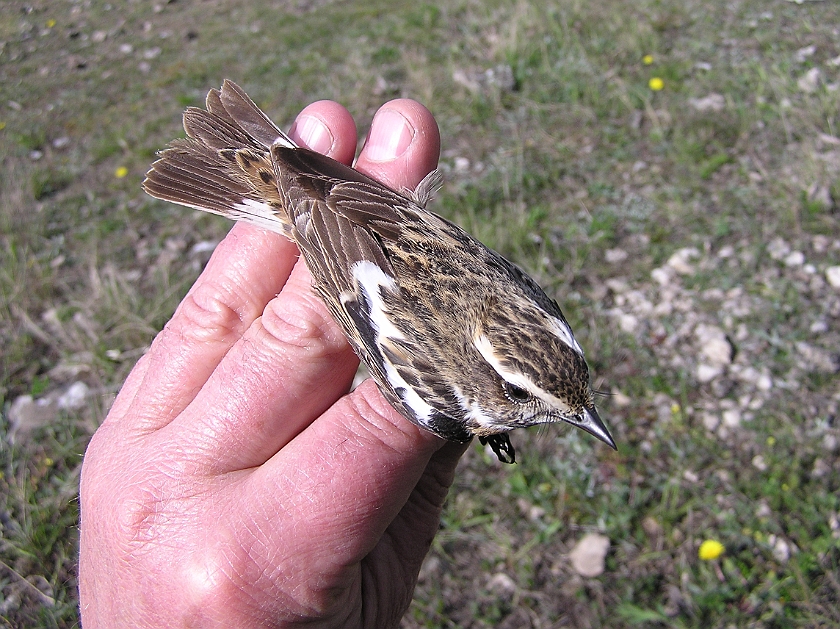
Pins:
x: 669, y: 170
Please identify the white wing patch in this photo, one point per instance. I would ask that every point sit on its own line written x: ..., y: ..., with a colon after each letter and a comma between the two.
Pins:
x: 259, y: 214
x: 485, y: 348
x: 372, y: 280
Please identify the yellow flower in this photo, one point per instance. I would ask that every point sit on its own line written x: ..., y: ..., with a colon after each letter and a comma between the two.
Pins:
x: 50, y: 23
x: 647, y: 59
x: 656, y: 84
x: 120, y: 172
x: 2, y: 125
x: 771, y: 441
x: 710, y: 549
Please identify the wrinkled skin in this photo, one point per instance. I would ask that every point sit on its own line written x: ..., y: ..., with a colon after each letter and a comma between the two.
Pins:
x: 233, y: 483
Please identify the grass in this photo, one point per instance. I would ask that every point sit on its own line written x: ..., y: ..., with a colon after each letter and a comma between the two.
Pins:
x: 578, y: 158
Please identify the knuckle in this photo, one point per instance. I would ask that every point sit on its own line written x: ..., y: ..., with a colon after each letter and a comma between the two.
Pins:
x: 303, y: 324
x: 213, y: 312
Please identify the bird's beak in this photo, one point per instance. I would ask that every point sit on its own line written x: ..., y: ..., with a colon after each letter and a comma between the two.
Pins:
x: 591, y: 423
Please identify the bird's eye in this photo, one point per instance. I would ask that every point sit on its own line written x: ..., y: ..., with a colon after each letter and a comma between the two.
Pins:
x: 516, y: 394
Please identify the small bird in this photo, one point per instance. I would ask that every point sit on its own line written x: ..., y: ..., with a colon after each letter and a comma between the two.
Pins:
x: 460, y: 341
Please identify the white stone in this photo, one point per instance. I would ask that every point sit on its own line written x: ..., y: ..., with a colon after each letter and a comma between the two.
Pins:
x: 707, y: 373
x: 710, y: 421
x: 732, y: 417
x: 712, y: 102
x: 589, y: 554
x: 718, y: 352
x: 628, y: 323
x: 715, y: 348
x: 502, y: 584
x: 764, y: 382
x: 679, y: 260
x: 781, y: 549
x: 661, y: 276
x: 804, y: 53
x: 620, y: 399
x: 810, y: 81
x: 778, y: 248
x: 795, y: 258
x: 74, y: 397
x: 832, y: 274
x: 759, y: 463
x: 615, y: 255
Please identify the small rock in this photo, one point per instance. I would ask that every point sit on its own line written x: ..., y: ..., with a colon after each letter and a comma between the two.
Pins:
x: 821, y: 469
x: 714, y: 346
x: 661, y: 276
x: 816, y: 359
x: 679, y: 260
x: 778, y: 248
x: 764, y: 382
x: 126, y: 49
x: 27, y: 414
x: 628, y: 323
x: 620, y: 399
x: 613, y: 256
x: 810, y: 81
x: 73, y: 397
x: 781, y: 549
x: 462, y: 164
x: 832, y: 274
x: 712, y: 102
x: 502, y: 584
x: 98, y: 37
x: 707, y: 373
x: 732, y: 417
x: 151, y: 53
x: 804, y: 53
x: 60, y: 143
x: 763, y: 511
x: 795, y: 258
x: 834, y: 525
x: 759, y: 463
x: 710, y: 421
x: 589, y: 554
x: 204, y: 246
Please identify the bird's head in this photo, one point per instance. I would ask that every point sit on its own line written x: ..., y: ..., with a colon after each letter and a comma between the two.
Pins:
x: 538, y: 374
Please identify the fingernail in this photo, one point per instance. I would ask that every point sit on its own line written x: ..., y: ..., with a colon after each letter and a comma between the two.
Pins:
x: 313, y: 133
x: 390, y: 135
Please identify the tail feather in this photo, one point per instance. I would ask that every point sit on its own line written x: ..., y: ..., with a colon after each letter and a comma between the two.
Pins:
x: 224, y: 166
x: 247, y: 115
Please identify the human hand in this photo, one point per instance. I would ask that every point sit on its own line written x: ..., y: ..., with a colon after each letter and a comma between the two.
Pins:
x: 233, y: 483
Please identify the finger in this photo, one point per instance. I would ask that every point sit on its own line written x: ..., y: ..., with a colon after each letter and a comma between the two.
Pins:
x: 246, y: 270
x: 345, y: 482
x: 290, y: 366
x: 328, y: 128
x: 403, y: 145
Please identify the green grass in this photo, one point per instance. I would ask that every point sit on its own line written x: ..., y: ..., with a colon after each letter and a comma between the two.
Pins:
x: 579, y: 158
